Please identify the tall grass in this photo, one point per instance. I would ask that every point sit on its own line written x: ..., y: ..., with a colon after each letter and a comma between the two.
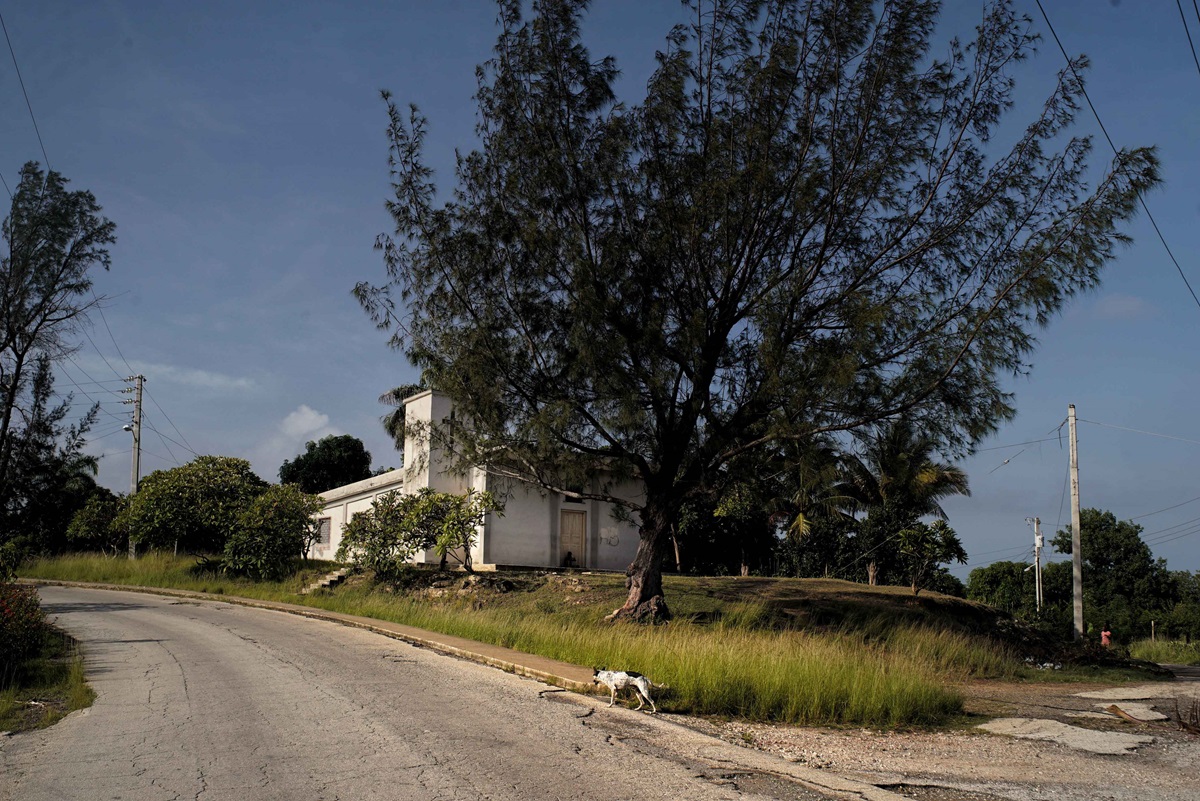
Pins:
x: 1170, y: 652
x: 739, y: 659
x: 782, y: 676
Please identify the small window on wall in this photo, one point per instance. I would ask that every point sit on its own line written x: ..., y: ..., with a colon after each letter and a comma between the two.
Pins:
x: 323, y: 531
x: 571, y: 499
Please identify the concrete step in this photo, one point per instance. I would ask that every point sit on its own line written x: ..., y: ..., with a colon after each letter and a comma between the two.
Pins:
x: 328, y: 581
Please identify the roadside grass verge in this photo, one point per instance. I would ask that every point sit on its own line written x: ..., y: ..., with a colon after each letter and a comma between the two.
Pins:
x: 810, y: 652
x: 1169, y: 652
x: 46, y: 687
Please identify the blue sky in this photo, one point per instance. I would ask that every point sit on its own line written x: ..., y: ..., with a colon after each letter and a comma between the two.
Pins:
x: 240, y: 148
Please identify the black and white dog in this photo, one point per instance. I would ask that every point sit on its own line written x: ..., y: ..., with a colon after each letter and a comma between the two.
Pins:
x: 616, y: 680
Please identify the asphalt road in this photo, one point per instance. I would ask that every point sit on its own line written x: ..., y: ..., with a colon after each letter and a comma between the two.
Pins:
x: 215, y: 702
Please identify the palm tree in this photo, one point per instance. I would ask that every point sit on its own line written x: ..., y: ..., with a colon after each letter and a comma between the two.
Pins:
x: 896, y: 481
x: 393, y: 421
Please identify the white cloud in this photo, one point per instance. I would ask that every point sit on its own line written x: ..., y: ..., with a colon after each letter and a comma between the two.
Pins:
x: 168, y: 374
x: 286, y: 441
x: 303, y: 421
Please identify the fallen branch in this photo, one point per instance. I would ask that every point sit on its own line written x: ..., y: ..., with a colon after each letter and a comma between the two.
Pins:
x: 1121, y: 713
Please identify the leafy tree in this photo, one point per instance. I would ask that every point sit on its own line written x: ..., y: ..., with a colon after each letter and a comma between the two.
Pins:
x: 825, y: 550
x: 96, y: 526
x: 49, y: 477
x: 398, y: 526
x: 53, y: 238
x: 276, y: 528
x: 808, y: 225
x: 924, y: 547
x: 332, y: 461
x: 382, y: 538
x: 456, y: 519
x: 1123, y: 584
x: 1005, y: 585
x: 195, y: 507
x: 1185, y: 617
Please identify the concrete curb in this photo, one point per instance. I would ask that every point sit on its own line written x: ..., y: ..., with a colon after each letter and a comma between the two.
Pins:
x: 550, y: 671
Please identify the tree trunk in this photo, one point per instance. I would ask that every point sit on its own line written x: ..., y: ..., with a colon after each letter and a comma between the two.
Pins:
x: 678, y: 558
x: 644, y: 577
x: 872, y: 573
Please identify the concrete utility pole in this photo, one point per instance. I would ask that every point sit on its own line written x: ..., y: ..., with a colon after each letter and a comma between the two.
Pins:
x: 1076, y: 545
x: 136, y: 428
x: 1038, y: 544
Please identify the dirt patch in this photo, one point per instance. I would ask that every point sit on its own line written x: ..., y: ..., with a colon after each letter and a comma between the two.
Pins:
x: 1072, y: 759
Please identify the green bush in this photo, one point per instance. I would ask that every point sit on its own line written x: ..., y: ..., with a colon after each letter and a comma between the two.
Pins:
x: 22, y: 627
x: 380, y: 538
x: 195, y: 507
x: 397, y: 526
x: 274, y: 530
x: 96, y: 527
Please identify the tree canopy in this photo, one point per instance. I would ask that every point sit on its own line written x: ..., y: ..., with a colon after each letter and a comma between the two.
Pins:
x: 1124, y: 586
x: 54, y: 239
x: 329, y: 462
x: 814, y: 220
x: 195, y: 507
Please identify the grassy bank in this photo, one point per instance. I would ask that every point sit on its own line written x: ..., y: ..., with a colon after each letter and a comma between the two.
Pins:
x: 45, y: 688
x: 797, y: 651
x: 1166, y: 652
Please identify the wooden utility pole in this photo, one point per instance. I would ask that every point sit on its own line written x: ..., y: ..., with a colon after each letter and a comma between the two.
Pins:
x: 1076, y: 545
x: 136, y: 428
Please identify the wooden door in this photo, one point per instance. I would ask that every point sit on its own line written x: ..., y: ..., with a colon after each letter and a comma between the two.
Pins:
x: 572, y: 538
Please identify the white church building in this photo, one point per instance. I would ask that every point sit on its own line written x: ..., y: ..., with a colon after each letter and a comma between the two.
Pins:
x: 535, y: 529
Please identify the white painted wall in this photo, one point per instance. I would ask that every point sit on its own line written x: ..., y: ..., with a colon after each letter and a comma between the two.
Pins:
x: 341, y: 503
x: 527, y: 533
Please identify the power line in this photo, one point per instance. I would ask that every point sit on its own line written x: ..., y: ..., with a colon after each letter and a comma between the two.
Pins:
x: 1016, y: 552
x: 164, y: 436
x: 28, y: 105
x: 103, y: 319
x: 1018, y: 444
x: 186, y: 445
x: 116, y: 372
x: 1167, y: 509
x: 1096, y: 114
x: 1139, y: 431
x: 1188, y: 31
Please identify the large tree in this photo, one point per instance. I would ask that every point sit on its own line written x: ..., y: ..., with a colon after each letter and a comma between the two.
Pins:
x: 813, y: 221
x: 332, y: 461
x: 1124, y: 586
x: 54, y: 239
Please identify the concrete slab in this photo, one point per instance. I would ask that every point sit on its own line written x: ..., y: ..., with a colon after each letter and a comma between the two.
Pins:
x: 1095, y: 742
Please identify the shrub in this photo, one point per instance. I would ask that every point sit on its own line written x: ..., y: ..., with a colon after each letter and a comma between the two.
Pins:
x: 397, y: 526
x: 275, y: 529
x: 95, y: 527
x: 22, y: 626
x: 195, y: 507
x: 378, y: 538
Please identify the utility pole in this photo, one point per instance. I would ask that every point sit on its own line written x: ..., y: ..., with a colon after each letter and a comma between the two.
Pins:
x: 136, y: 428
x: 1038, y: 544
x: 1076, y: 544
